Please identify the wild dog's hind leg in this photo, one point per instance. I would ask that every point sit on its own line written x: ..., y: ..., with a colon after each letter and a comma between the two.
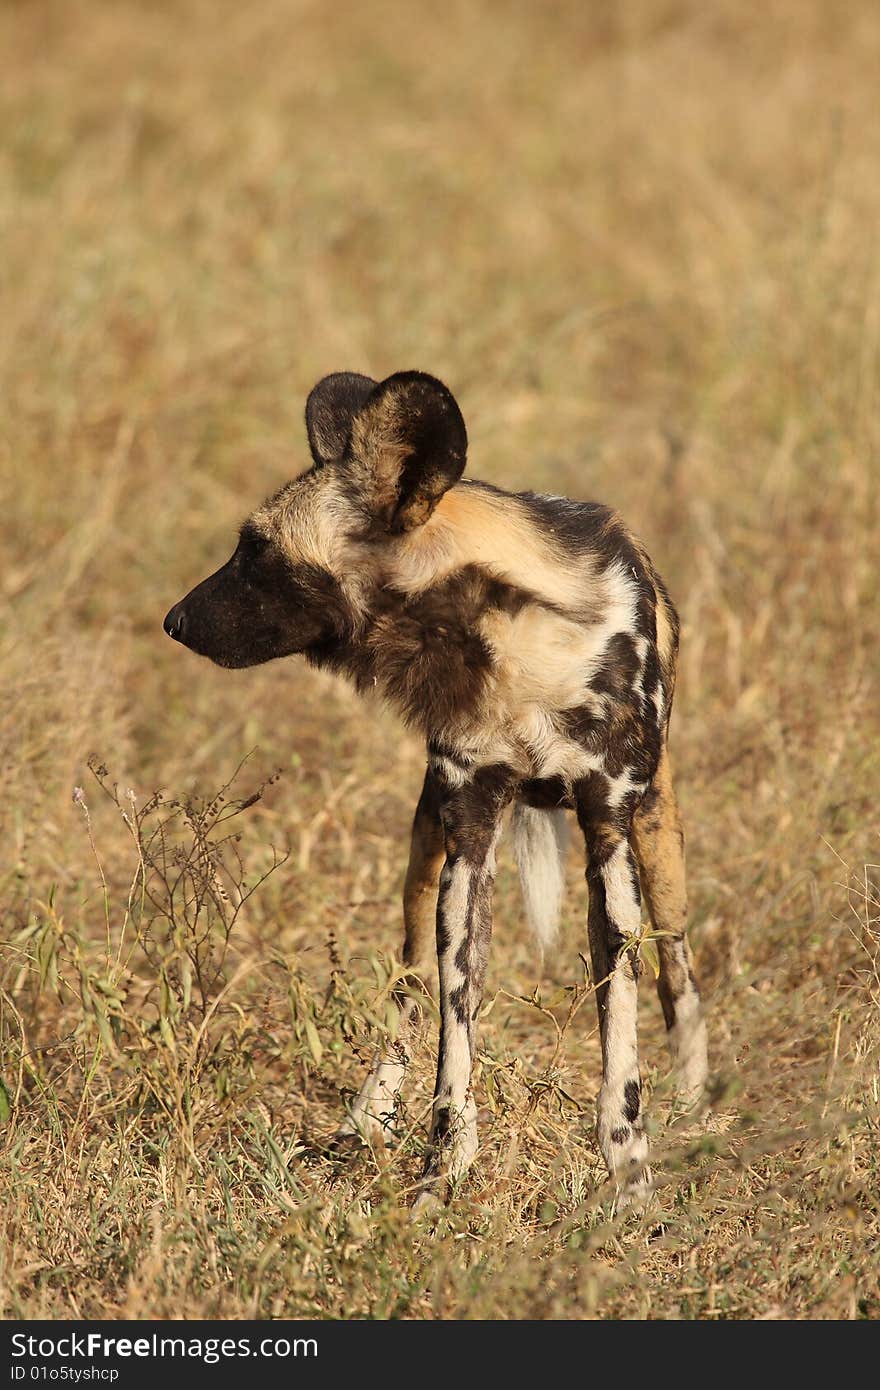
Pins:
x: 659, y: 845
x: 372, y: 1112
x: 471, y: 821
x: 615, y: 915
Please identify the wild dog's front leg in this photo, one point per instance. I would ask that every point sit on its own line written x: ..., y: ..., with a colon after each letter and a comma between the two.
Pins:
x: 372, y: 1111
x: 472, y: 820
x: 614, y: 915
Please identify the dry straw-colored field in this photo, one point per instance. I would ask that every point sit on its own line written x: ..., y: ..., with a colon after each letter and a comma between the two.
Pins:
x: 639, y: 241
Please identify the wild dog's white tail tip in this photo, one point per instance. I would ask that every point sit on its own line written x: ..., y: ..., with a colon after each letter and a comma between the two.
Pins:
x: 539, y: 842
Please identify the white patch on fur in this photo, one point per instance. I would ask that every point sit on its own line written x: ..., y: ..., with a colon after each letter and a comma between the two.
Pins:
x: 456, y: 1077
x: 618, y: 787
x: 541, y: 657
x: 544, y: 659
x: 688, y: 1040
x: 452, y: 774
x: 626, y: 1160
x: 641, y: 649
x: 465, y: 1143
x: 455, y: 885
x: 374, y: 1106
x: 543, y: 663
x: 622, y: 1058
x: 539, y: 843
x: 627, y: 1163
x: 620, y: 899
x: 618, y: 607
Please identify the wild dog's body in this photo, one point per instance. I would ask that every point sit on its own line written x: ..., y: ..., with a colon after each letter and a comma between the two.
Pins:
x: 532, y: 642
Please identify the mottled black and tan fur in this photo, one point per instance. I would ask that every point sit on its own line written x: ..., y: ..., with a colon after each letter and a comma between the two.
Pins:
x: 532, y: 643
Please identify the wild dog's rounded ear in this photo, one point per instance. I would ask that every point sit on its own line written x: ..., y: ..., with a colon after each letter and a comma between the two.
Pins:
x: 330, y: 410
x: 409, y: 445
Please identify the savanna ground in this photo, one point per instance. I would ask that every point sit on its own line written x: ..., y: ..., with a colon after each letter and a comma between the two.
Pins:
x: 640, y: 243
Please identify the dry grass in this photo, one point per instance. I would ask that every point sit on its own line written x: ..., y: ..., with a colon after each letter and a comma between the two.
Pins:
x: 639, y: 241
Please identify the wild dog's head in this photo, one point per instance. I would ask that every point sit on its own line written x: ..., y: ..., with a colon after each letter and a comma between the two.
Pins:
x: 384, y: 454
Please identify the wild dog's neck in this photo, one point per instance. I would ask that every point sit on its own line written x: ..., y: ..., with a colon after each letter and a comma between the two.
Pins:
x: 424, y: 651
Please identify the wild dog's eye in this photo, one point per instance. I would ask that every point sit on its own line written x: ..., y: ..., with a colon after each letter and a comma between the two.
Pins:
x: 251, y: 543
x: 259, y: 563
x: 250, y: 548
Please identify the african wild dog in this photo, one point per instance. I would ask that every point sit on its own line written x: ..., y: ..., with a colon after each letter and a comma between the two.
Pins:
x: 532, y: 642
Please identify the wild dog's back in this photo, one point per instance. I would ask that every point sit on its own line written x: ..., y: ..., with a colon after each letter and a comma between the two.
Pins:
x: 542, y: 621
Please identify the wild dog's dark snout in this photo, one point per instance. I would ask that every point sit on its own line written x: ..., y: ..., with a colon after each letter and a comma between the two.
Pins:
x: 257, y: 607
x: 175, y: 622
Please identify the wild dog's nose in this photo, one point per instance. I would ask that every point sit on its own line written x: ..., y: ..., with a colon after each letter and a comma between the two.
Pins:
x: 174, y: 622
